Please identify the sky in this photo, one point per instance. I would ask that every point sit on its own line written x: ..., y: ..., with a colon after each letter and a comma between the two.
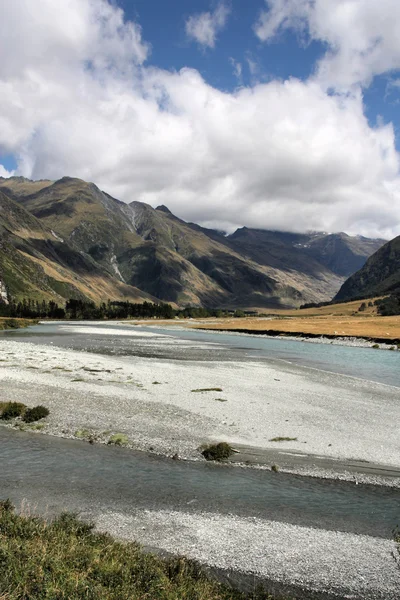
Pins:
x: 275, y: 114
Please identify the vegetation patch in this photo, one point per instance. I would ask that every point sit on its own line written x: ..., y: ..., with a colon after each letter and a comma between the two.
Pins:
x: 283, y: 439
x: 82, y: 434
x: 220, y: 400
x: 11, y: 410
x: 35, y: 414
x: 65, y: 560
x: 118, y: 439
x: 217, y: 452
x: 215, y: 389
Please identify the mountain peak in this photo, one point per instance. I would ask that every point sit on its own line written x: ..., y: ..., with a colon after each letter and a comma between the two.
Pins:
x: 164, y: 209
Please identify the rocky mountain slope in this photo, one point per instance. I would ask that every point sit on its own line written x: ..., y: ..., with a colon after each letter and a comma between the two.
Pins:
x: 36, y: 262
x: 380, y: 274
x: 136, y: 247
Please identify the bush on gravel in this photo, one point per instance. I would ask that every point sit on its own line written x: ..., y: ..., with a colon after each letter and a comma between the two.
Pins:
x: 35, y: 414
x: 217, y: 452
x: 11, y: 410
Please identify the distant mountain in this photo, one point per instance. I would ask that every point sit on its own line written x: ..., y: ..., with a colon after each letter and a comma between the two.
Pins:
x: 146, y: 252
x: 380, y: 274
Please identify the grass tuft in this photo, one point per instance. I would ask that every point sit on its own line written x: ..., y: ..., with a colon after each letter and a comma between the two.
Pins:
x: 283, y: 439
x: 11, y: 410
x: 35, y: 414
x: 217, y: 452
x: 118, y: 439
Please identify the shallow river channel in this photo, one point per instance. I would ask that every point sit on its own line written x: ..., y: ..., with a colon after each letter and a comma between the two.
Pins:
x: 53, y: 474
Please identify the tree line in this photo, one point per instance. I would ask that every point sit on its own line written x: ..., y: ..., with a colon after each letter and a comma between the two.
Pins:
x: 87, y: 310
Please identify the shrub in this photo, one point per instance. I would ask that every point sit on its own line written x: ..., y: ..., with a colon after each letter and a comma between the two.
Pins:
x: 12, y: 410
x: 217, y: 452
x: 35, y: 414
x: 376, y: 346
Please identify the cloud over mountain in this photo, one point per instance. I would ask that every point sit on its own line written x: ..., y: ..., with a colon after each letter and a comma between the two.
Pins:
x: 79, y: 96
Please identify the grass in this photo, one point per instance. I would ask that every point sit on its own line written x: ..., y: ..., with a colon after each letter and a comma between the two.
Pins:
x: 283, y: 439
x: 337, y: 320
x: 11, y: 410
x: 65, y: 560
x: 217, y: 452
x: 118, y: 439
x: 216, y: 389
x: 11, y: 323
x: 82, y: 434
x: 35, y: 414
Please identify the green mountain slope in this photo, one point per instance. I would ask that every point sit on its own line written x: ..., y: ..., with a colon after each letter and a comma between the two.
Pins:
x: 380, y: 274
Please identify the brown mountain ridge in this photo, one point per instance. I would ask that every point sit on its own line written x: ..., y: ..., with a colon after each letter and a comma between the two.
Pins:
x: 69, y: 239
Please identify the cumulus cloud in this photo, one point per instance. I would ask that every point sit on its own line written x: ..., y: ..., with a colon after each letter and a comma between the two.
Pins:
x: 5, y: 173
x: 78, y: 98
x: 204, y: 27
x: 362, y: 36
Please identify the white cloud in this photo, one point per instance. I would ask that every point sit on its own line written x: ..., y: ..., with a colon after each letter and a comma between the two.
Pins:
x: 204, y: 27
x: 77, y: 99
x: 5, y: 173
x: 362, y: 36
x: 237, y: 69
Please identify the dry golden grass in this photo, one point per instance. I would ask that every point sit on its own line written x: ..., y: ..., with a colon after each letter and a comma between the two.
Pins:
x: 13, y: 323
x: 360, y: 326
x: 336, y: 319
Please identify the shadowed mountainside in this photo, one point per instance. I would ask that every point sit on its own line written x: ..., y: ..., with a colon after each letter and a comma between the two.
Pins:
x: 134, y: 247
x: 380, y: 274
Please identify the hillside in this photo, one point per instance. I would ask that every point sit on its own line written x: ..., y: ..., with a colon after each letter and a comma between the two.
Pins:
x: 136, y: 247
x: 380, y: 274
x: 35, y: 262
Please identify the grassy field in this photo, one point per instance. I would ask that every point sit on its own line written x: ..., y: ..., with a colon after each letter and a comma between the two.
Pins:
x: 383, y: 328
x: 337, y: 320
x: 66, y: 560
x: 10, y: 323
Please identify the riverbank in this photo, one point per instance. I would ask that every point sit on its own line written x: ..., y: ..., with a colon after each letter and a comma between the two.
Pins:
x: 10, y: 323
x: 371, y: 328
x: 67, y: 555
x: 172, y: 407
x: 301, y: 538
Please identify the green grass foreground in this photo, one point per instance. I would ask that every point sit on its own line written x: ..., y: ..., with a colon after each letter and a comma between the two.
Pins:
x: 65, y: 559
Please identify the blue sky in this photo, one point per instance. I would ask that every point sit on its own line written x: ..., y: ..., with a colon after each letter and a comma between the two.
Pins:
x: 270, y: 113
x: 290, y: 55
x: 172, y: 49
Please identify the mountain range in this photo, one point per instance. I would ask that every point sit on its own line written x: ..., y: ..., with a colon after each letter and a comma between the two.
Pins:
x: 67, y: 238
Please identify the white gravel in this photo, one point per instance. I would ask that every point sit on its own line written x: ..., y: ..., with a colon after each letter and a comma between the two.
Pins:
x: 330, y: 415
x: 354, y: 566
